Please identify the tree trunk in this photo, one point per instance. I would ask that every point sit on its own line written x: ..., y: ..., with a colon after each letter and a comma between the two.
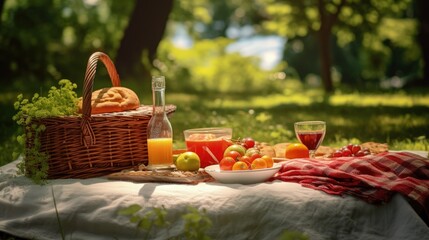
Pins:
x: 1, y: 7
x: 142, y: 36
x: 423, y: 37
x: 325, y: 58
x: 324, y: 36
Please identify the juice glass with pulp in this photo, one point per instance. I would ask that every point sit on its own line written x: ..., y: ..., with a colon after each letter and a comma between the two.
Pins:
x: 208, y: 143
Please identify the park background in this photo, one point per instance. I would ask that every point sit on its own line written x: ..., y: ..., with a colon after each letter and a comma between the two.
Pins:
x: 256, y: 66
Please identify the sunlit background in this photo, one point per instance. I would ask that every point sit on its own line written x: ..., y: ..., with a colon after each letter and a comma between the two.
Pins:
x: 257, y: 65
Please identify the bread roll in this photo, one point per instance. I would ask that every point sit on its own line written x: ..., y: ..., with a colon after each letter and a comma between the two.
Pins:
x: 113, y: 99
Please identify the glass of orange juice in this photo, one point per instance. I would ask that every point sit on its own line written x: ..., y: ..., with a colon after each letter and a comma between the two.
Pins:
x: 208, y: 143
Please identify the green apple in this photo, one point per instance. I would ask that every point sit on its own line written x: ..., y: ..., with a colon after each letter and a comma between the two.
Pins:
x: 188, y: 161
x: 235, y: 147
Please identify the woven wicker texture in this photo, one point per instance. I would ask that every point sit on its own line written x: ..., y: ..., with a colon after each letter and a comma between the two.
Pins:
x: 96, y: 145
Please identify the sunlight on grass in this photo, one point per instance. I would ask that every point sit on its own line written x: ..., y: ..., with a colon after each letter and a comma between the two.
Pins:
x: 262, y: 101
x: 183, y: 99
x: 419, y: 143
x: 397, y: 100
x: 392, y: 118
x: 400, y: 122
x: 306, y: 98
x: 342, y: 122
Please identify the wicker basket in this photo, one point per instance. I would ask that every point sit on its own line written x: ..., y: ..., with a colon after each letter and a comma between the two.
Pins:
x: 95, y: 145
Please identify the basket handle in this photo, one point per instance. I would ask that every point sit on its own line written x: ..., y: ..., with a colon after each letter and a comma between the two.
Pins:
x: 88, y: 137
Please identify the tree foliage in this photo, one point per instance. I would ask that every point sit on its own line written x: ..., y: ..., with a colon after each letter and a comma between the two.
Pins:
x: 362, y: 28
x: 44, y: 41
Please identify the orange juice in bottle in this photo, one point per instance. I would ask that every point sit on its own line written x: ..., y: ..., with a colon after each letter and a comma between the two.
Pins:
x: 160, y: 151
x: 160, y: 133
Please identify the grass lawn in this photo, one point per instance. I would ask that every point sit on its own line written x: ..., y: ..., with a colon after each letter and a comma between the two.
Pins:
x: 400, y: 119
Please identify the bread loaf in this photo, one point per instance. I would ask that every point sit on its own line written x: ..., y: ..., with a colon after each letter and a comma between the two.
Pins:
x: 113, y: 99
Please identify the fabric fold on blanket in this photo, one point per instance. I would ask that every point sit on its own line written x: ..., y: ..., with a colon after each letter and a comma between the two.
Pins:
x: 372, y: 178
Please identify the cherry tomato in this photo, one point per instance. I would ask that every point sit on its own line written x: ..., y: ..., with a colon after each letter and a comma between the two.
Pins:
x: 255, y: 156
x: 226, y: 163
x: 240, y: 165
x: 246, y: 159
x: 269, y: 160
x: 258, y: 163
x: 234, y: 154
x: 248, y: 142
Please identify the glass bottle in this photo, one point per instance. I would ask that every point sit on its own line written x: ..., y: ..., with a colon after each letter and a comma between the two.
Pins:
x: 160, y: 133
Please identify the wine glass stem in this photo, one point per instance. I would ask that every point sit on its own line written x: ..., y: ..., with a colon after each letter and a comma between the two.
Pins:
x: 312, y: 153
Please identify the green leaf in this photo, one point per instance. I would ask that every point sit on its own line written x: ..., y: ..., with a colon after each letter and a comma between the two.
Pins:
x: 131, y: 210
x: 145, y: 223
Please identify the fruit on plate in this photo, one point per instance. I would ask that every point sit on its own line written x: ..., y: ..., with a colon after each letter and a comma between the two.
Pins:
x: 234, y: 154
x: 251, y: 151
x: 258, y: 163
x: 269, y: 160
x: 226, y: 163
x: 188, y: 161
x: 235, y: 147
x: 239, y: 166
x: 242, y: 154
x: 248, y: 142
x: 246, y: 159
x: 296, y: 150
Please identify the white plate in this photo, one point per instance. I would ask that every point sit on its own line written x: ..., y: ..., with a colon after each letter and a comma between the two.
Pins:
x: 243, y: 176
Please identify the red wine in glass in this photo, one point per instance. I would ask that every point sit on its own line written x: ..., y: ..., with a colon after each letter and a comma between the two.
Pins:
x: 311, y: 134
x: 311, y: 140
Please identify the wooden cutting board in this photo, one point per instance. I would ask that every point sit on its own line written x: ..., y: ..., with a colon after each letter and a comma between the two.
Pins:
x: 165, y: 176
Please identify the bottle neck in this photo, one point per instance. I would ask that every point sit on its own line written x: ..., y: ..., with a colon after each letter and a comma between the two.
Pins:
x: 158, y: 101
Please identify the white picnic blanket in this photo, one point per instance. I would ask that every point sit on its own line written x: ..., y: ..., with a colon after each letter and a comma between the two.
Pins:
x: 88, y: 209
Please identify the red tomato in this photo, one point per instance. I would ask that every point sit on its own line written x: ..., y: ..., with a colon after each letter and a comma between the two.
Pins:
x: 226, y: 163
x: 246, y: 159
x: 255, y: 156
x: 248, y: 142
x: 234, y: 154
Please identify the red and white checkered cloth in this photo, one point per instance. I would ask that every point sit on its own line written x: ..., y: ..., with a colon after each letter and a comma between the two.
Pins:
x: 372, y: 178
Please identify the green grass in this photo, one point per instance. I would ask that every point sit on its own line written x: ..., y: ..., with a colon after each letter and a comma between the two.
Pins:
x: 398, y: 118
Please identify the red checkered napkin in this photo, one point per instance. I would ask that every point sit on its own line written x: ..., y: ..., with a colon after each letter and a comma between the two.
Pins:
x: 372, y: 178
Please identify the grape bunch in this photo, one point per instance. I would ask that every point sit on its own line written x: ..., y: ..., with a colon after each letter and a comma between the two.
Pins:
x: 351, y: 150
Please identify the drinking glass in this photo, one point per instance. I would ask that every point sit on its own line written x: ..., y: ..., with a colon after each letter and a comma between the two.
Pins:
x: 311, y: 134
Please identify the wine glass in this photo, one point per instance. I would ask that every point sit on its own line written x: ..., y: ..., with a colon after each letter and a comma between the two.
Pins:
x: 311, y: 134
